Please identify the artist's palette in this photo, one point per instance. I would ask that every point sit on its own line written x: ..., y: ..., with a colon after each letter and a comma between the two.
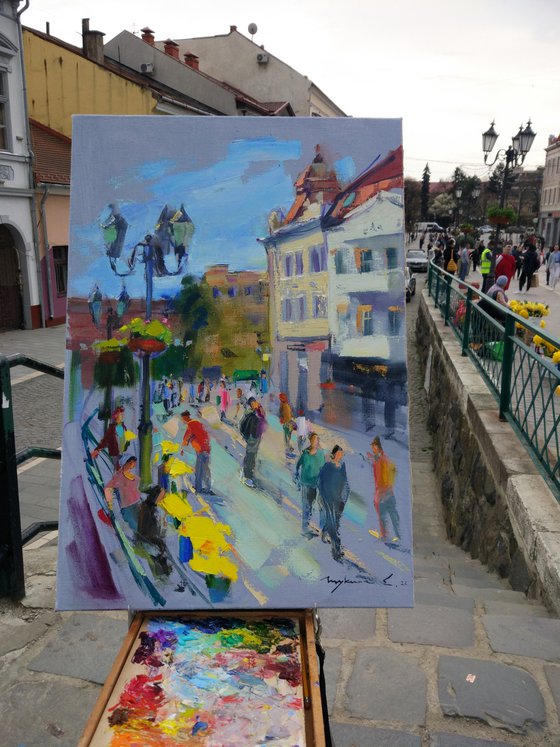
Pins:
x: 211, y: 681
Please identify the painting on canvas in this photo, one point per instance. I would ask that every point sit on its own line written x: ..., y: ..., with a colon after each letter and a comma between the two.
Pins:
x: 236, y: 419
x: 207, y: 682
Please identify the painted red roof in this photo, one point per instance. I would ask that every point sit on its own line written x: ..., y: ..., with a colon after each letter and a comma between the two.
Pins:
x: 315, y: 184
x: 52, y: 154
x: 382, y: 176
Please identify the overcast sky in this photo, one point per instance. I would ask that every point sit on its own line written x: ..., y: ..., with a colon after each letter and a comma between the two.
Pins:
x: 446, y: 68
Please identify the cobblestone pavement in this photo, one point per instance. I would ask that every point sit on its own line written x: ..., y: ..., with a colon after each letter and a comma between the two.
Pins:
x: 474, y: 664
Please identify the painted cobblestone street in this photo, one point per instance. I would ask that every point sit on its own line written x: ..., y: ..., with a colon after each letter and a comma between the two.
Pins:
x: 473, y: 664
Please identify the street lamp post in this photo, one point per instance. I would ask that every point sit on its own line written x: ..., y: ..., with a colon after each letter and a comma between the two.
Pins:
x: 512, y: 156
x: 458, y: 194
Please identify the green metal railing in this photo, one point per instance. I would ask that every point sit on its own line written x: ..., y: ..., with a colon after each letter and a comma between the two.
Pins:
x: 12, y: 582
x: 524, y: 382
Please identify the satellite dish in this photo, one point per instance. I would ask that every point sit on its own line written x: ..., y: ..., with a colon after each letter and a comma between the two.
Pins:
x: 252, y: 29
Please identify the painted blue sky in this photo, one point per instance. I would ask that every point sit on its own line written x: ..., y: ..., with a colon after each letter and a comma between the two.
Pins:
x: 229, y: 173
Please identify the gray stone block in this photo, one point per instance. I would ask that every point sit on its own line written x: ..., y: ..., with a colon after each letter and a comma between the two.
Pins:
x: 524, y: 636
x: 85, y: 647
x: 443, y: 599
x: 494, y: 594
x: 377, y: 683
x: 457, y: 740
x: 18, y: 633
x: 553, y: 677
x: 350, y: 735
x: 40, y: 714
x: 333, y: 663
x: 502, y: 696
x: 432, y: 626
x: 348, y: 624
x: 511, y: 608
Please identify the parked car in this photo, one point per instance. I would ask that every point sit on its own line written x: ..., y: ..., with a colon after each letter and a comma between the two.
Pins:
x: 409, y: 284
x: 417, y: 261
x: 486, y: 229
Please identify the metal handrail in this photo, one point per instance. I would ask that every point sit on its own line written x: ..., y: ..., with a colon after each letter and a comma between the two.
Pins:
x: 12, y: 580
x: 523, y: 382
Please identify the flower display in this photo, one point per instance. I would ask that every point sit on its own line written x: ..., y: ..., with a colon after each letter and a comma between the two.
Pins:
x: 528, y: 309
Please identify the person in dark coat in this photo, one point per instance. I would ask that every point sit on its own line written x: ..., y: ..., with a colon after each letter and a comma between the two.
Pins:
x: 333, y: 494
x: 531, y: 264
x: 251, y: 427
x: 450, y: 252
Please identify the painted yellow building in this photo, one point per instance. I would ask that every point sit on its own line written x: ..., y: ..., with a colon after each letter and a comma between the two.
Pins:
x: 61, y: 81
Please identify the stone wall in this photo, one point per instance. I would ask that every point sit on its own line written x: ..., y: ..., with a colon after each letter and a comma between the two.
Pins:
x: 497, y: 505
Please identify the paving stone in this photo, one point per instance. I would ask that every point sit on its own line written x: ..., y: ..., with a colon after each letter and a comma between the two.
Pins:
x: 508, y: 608
x: 350, y: 735
x: 432, y: 626
x: 85, y: 647
x: 443, y: 599
x: 40, y: 714
x: 536, y: 637
x: 457, y: 740
x: 553, y: 677
x: 333, y: 663
x: 377, y: 683
x: 17, y: 634
x: 483, y: 595
x: 501, y: 695
x: 348, y: 624
x: 40, y: 592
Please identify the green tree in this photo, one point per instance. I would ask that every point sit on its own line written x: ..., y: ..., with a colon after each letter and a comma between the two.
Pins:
x: 412, y: 203
x: 425, y: 193
x: 442, y: 206
x: 198, y: 311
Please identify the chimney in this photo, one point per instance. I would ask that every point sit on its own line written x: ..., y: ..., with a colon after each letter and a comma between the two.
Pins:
x: 148, y: 36
x: 171, y: 48
x: 191, y: 60
x: 92, y: 43
x: 232, y: 29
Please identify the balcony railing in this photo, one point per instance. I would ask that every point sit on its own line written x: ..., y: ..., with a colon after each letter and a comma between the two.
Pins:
x: 526, y: 383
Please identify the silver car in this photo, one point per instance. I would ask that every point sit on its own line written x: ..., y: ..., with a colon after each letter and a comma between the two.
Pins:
x: 417, y: 261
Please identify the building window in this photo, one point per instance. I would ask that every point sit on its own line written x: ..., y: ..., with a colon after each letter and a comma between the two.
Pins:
x: 289, y: 265
x: 299, y: 263
x: 319, y: 306
x: 317, y: 258
x: 216, y: 292
x: 339, y: 262
x: 60, y: 258
x: 366, y: 264
x: 287, y: 310
x: 367, y: 323
x: 4, y: 119
x: 231, y: 291
x: 392, y: 258
x: 301, y: 308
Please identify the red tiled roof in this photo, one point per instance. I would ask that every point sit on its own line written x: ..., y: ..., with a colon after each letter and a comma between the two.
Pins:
x: 385, y: 175
x: 52, y: 154
x: 314, y: 183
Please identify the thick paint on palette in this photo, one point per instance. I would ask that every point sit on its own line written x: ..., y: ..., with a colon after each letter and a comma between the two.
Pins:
x: 214, y: 681
x: 236, y: 420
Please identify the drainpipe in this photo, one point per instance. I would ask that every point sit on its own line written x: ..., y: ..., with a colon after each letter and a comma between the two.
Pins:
x: 47, y: 251
x: 30, y: 159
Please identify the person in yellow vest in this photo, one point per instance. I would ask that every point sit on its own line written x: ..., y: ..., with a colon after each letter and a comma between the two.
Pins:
x: 485, y: 266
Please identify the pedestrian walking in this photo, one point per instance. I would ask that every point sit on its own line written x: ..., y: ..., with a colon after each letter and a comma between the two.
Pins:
x: 196, y: 436
x: 463, y: 262
x: 485, y: 267
x: 553, y: 267
x: 308, y: 467
x: 124, y: 488
x: 333, y: 495
x: 224, y: 399
x: 302, y: 429
x: 506, y: 264
x: 115, y: 439
x: 531, y: 264
x: 252, y: 428
x: 384, y: 472
x: 287, y: 422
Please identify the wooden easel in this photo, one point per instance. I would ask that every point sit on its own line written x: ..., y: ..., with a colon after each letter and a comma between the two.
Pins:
x: 313, y: 702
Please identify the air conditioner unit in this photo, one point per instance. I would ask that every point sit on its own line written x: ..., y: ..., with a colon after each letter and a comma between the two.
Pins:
x: 262, y: 58
x: 148, y: 68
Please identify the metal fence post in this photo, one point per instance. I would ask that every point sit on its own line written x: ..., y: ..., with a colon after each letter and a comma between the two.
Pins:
x: 447, y: 300
x: 437, y: 289
x: 507, y: 365
x: 12, y: 581
x: 467, y: 322
x: 430, y: 277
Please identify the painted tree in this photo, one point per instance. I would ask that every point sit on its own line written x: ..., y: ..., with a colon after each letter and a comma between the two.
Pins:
x: 425, y: 193
x: 199, y: 313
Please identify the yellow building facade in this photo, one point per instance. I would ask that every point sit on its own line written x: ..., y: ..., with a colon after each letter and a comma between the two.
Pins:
x: 62, y: 82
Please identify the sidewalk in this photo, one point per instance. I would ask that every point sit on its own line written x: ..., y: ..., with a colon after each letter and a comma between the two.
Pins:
x: 474, y: 663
